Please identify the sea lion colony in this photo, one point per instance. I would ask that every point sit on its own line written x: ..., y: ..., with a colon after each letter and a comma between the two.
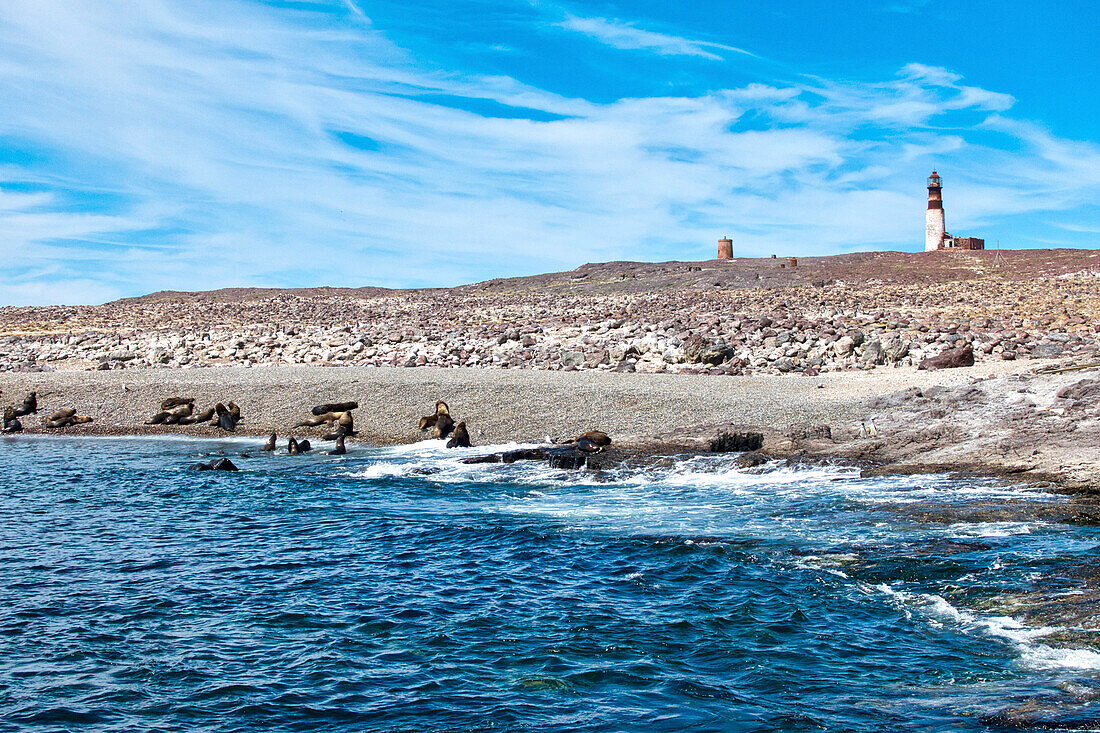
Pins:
x: 180, y: 411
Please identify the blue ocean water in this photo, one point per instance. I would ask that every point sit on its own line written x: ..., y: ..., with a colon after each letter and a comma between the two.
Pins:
x: 398, y: 589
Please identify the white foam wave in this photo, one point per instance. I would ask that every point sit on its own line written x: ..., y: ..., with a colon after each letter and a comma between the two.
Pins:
x: 938, y: 611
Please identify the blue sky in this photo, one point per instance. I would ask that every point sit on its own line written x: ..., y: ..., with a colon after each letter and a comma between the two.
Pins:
x: 198, y: 144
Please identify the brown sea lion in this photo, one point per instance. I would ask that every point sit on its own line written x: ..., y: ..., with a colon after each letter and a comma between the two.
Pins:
x: 304, y: 446
x: 440, y: 423
x: 597, y: 438
x: 11, y: 422
x: 203, y: 416
x: 235, y: 411
x: 339, y: 450
x: 292, y: 447
x: 61, y: 415
x: 66, y: 420
x: 225, y: 418
x: 171, y: 402
x: 173, y: 416
x: 343, y: 419
x: 334, y: 407
x: 270, y: 444
x: 29, y: 406
x: 340, y: 430
x: 461, y: 437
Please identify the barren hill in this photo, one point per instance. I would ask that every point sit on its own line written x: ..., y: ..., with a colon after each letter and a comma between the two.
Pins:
x: 862, y: 310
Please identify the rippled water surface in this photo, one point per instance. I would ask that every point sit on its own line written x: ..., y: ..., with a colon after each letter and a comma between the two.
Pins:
x: 397, y: 589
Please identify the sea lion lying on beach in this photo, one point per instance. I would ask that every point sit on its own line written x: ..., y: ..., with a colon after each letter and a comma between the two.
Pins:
x: 334, y: 407
x: 171, y: 402
x: 597, y: 438
x: 29, y: 406
x: 344, y: 419
x: 441, y: 423
x: 11, y: 422
x: 204, y: 416
x: 173, y: 414
x: 339, y: 450
x: 65, y: 418
x: 461, y: 437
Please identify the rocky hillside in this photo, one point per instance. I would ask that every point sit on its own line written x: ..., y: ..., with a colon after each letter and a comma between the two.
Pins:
x: 858, y: 311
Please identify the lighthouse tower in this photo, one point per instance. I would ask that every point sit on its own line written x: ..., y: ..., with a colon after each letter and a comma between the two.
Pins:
x: 933, y: 218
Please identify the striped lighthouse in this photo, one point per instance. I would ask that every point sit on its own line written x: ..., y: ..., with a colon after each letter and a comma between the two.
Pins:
x: 933, y: 218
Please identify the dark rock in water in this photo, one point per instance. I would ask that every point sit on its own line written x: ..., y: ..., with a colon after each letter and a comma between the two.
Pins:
x: 728, y: 442
x: 751, y: 460
x: 1085, y: 389
x: 566, y: 457
x: 568, y: 460
x: 962, y: 356
x: 221, y: 464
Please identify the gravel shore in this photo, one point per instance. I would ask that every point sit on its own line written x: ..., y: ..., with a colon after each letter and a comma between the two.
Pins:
x: 498, y: 405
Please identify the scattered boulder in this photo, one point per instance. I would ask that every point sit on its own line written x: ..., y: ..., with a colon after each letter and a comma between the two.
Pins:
x: 961, y: 356
x: 219, y: 464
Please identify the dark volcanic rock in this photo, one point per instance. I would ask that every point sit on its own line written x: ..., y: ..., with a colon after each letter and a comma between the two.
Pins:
x: 961, y: 356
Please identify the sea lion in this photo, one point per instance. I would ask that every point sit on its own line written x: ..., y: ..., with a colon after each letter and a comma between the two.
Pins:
x: 304, y: 446
x: 440, y: 423
x: 270, y: 444
x: 339, y: 450
x: 461, y: 437
x: 203, y: 416
x: 597, y: 438
x: 61, y: 415
x: 225, y: 418
x: 344, y: 419
x: 11, y: 422
x: 176, y: 414
x: 66, y: 420
x: 338, y: 433
x: 29, y: 406
x: 334, y: 407
x: 171, y: 402
x: 587, y: 446
x: 235, y: 411
x: 292, y: 447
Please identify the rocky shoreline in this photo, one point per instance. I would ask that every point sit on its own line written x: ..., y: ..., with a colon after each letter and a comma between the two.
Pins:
x: 1010, y: 422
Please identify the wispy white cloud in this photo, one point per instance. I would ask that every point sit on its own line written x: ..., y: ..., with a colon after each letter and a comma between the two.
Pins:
x: 625, y: 35
x: 201, y: 144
